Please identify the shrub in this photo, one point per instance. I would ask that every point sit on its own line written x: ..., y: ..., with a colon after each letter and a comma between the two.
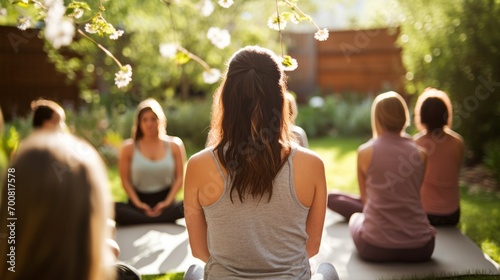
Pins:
x: 335, y: 115
x: 190, y: 121
x: 492, y: 157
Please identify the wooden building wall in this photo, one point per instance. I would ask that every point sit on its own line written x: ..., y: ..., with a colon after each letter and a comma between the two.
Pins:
x: 352, y: 61
x: 26, y: 74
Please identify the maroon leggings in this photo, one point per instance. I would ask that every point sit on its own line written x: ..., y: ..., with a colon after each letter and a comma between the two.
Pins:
x: 344, y: 204
x: 370, y: 252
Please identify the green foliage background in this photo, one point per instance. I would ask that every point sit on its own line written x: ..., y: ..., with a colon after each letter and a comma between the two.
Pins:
x: 455, y: 46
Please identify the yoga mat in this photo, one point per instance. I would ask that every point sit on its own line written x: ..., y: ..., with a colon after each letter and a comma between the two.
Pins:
x: 156, y: 249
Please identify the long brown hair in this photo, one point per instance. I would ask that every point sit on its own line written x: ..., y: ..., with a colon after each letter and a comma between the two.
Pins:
x: 250, y: 122
x: 446, y: 114
x: 152, y: 105
x: 59, y: 188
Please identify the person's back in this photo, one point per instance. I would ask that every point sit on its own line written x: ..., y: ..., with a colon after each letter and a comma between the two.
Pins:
x: 440, y: 192
x: 274, y: 233
x: 393, y: 182
x: 392, y: 226
x: 254, y: 202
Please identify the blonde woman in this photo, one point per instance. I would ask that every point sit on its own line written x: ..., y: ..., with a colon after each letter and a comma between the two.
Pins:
x: 445, y: 150
x: 151, y: 168
x: 393, y: 225
x: 298, y: 131
x: 57, y: 189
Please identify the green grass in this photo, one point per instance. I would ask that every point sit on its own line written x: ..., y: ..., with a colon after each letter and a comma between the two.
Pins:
x: 340, y: 157
x: 480, y: 211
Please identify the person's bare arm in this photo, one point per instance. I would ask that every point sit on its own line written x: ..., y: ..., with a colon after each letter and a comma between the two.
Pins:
x: 124, y: 164
x: 310, y: 187
x: 179, y: 154
x: 193, y: 211
x: 365, y: 154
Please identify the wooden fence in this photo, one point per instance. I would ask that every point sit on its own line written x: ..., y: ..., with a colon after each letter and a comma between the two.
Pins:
x: 352, y: 61
x: 26, y: 74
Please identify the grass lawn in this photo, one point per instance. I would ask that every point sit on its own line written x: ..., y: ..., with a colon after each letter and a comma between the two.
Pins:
x: 480, y: 211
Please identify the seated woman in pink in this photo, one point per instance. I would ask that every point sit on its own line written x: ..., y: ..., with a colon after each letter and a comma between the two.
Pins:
x: 393, y: 226
x: 440, y: 192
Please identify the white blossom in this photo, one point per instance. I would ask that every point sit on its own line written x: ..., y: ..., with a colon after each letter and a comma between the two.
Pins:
x: 321, y: 35
x: 124, y: 76
x: 90, y: 28
x: 212, y: 76
x: 24, y: 22
x: 294, y: 18
x: 116, y: 34
x: 55, y: 12
x: 226, y: 3
x: 288, y: 63
x: 168, y: 50
x: 276, y: 23
x: 206, y: 7
x: 219, y: 37
x: 60, y: 33
x: 78, y: 13
x: 3, y: 12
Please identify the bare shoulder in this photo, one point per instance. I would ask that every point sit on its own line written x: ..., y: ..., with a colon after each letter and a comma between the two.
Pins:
x: 365, y: 148
x: 174, y: 140
x: 200, y: 158
x: 308, y: 157
x: 128, y: 146
x: 455, y: 135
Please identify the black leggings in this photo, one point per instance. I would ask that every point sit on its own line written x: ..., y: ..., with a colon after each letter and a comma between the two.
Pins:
x: 445, y: 220
x: 128, y: 214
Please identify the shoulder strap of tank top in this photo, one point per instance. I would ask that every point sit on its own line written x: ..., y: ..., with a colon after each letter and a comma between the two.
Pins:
x: 167, y: 146
x: 218, y: 165
x: 292, y: 153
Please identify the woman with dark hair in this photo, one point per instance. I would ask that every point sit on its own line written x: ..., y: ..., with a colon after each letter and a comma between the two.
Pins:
x: 151, y: 168
x: 48, y: 115
x: 440, y: 192
x: 254, y: 202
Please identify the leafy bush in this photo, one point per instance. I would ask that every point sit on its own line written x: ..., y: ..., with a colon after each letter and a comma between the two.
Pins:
x: 454, y: 47
x: 335, y: 115
x: 190, y: 121
x: 492, y: 157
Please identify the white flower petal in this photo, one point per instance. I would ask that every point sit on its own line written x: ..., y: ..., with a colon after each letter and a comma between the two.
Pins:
x: 116, y: 35
x: 206, y: 7
x: 226, y: 3
x: 60, y: 33
x: 272, y: 22
x: 168, y: 50
x: 219, y: 37
x: 124, y: 76
x: 24, y: 22
x: 212, y: 76
x: 321, y: 35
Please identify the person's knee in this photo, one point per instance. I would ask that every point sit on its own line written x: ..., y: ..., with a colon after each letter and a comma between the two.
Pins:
x: 325, y: 271
x: 194, y: 272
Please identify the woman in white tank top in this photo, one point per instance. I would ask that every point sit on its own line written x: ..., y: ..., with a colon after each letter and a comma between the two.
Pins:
x: 151, y: 170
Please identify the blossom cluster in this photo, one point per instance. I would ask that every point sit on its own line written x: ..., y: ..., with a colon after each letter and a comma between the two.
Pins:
x: 61, y: 24
x: 60, y: 27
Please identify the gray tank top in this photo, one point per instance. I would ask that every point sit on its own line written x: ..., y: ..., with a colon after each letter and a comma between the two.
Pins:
x: 258, y: 239
x: 150, y: 176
